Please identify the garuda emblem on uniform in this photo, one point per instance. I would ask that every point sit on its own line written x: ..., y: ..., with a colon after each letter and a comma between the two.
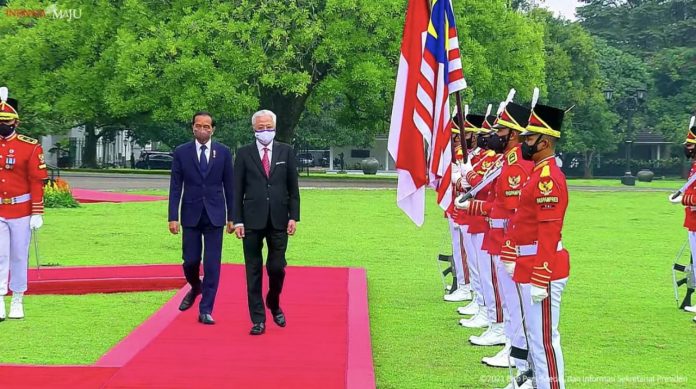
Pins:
x: 486, y: 165
x: 546, y: 187
x: 514, y: 181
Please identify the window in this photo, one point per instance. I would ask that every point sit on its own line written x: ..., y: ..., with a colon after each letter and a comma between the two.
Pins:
x: 359, y: 153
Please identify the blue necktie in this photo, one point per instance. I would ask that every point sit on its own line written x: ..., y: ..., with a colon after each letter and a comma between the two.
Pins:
x: 203, y: 160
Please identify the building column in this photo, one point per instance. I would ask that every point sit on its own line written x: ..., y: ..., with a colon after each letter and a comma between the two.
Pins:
x: 331, y: 158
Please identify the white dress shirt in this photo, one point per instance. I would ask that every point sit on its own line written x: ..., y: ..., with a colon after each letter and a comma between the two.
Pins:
x: 207, y: 150
x: 270, y: 151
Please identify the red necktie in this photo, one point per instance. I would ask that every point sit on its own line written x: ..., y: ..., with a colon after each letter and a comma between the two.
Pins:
x: 265, y: 162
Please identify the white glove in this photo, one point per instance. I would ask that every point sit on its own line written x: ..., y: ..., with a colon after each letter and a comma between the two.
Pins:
x: 538, y: 294
x: 509, y: 267
x: 463, y: 206
x: 456, y: 173
x: 35, y: 222
x: 677, y: 200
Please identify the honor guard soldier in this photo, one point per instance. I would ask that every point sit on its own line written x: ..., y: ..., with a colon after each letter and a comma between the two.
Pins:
x: 534, y: 251
x: 459, y: 256
x: 22, y: 175
x: 472, y: 131
x: 688, y: 197
x: 478, y: 227
x: 500, y: 206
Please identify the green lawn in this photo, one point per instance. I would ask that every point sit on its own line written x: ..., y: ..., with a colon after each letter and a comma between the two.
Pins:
x: 619, y: 318
x: 74, y: 329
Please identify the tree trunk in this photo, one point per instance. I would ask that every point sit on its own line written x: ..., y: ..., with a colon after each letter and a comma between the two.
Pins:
x: 288, y: 109
x: 89, y: 152
x: 589, y: 154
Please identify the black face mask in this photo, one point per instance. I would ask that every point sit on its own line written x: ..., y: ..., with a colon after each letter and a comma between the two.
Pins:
x: 498, y: 143
x: 529, y: 151
x: 6, y: 129
x: 482, y: 142
x: 689, y: 153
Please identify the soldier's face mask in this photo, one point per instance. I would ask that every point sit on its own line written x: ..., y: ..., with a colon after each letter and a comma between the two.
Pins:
x: 7, y: 129
x: 689, y: 152
x: 528, y: 150
x: 482, y: 141
x: 498, y: 143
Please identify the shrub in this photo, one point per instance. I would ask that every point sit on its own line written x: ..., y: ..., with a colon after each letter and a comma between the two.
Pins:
x: 57, y: 194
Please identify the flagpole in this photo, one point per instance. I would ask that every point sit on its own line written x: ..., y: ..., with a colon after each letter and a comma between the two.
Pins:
x: 460, y: 117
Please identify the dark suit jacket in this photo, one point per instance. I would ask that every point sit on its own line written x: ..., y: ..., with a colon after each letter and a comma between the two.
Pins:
x: 257, y: 196
x: 212, y: 191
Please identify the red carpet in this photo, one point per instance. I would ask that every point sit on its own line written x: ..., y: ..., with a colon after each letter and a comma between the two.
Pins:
x: 96, y: 196
x: 325, y: 345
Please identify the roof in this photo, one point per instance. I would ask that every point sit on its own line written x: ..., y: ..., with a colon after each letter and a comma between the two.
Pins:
x: 648, y: 137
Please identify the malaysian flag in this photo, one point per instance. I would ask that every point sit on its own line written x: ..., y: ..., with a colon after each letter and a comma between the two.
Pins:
x: 430, y: 69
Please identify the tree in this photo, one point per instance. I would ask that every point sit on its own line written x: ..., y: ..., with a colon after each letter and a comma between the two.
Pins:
x: 659, y: 37
x: 575, y: 82
x: 147, y: 66
x: 58, y: 70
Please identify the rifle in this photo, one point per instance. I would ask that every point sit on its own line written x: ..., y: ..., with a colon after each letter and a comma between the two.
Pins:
x: 688, y: 279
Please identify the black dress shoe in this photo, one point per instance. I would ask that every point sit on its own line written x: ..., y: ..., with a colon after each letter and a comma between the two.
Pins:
x: 258, y: 329
x: 205, y: 318
x: 188, y: 300
x: 279, y: 318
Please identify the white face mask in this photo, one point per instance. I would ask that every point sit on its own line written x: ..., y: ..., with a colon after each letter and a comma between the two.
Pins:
x: 265, y: 137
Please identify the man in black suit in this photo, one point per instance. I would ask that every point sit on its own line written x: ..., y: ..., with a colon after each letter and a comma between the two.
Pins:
x: 266, y: 205
x: 202, y: 170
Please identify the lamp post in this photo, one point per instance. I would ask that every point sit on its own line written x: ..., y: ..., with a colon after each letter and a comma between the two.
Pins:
x: 630, y: 103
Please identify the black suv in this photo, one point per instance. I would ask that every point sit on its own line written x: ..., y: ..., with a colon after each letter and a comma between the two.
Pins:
x: 155, y: 160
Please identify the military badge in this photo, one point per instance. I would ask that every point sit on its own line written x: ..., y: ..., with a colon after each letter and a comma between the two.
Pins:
x: 514, y: 181
x: 546, y: 187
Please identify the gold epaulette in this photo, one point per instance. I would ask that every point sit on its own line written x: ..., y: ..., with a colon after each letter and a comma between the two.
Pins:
x: 490, y: 153
x: 546, y: 171
x: 512, y: 157
x: 27, y: 139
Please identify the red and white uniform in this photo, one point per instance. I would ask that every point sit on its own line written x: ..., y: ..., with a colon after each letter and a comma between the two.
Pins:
x: 535, y: 236
x: 22, y: 172
x: 478, y: 228
x: 689, y: 200
x: 22, y: 175
x: 500, y: 206
x: 463, y: 245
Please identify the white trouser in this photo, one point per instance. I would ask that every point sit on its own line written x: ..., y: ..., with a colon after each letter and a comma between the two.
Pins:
x: 15, y: 236
x: 458, y: 254
x: 514, y: 328
x: 472, y: 262
x: 692, y: 245
x: 542, y: 320
x: 489, y: 282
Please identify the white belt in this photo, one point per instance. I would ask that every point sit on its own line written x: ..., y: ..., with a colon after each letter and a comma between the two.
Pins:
x: 497, y: 223
x: 531, y: 249
x: 15, y: 200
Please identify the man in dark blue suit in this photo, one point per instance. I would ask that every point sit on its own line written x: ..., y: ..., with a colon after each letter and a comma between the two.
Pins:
x: 200, y: 190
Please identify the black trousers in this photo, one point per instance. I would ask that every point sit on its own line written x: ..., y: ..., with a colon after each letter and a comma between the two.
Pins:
x: 204, y: 239
x: 277, y: 241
